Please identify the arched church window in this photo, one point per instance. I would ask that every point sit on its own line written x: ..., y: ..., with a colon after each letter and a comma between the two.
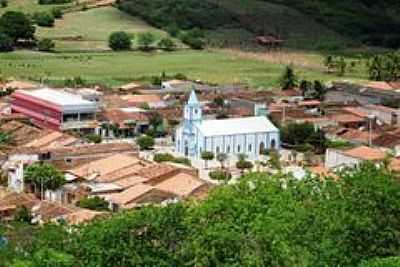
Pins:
x: 250, y: 147
x: 228, y: 149
x: 218, y: 150
x: 262, y: 148
x: 238, y: 148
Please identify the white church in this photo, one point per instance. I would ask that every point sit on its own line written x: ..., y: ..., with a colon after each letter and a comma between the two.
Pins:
x: 250, y: 136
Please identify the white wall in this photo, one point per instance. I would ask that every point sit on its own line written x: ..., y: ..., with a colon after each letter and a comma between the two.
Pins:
x: 336, y: 159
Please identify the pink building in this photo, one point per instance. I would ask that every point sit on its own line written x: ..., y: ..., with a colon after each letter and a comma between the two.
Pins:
x: 55, y: 109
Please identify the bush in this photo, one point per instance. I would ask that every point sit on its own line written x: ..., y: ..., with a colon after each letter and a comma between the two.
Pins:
x: 44, y: 19
x: 145, y: 40
x: 220, y: 175
x: 163, y: 157
x: 193, y: 40
x: 4, y: 3
x: 145, y: 142
x: 6, y: 43
x: 46, y: 45
x: 93, y: 203
x: 94, y: 138
x: 119, y: 41
x: 167, y: 44
x: 57, y: 13
x: 22, y: 214
x: 182, y: 160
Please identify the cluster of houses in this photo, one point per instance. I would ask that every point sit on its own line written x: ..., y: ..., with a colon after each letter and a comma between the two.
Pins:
x: 51, y: 126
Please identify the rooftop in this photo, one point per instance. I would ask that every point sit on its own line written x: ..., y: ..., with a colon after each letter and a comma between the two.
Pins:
x: 60, y: 98
x: 366, y: 153
x: 236, y: 126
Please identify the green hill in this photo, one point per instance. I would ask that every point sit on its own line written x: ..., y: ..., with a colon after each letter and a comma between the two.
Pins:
x: 303, y: 23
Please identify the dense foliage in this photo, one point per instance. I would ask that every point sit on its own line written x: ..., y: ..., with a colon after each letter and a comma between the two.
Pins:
x: 368, y: 21
x: 16, y: 25
x: 93, y: 203
x: 119, y: 41
x: 303, y: 137
x: 45, y: 175
x: 262, y: 221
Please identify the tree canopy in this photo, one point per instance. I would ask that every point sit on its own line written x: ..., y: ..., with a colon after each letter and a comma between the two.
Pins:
x: 17, y: 25
x: 260, y: 221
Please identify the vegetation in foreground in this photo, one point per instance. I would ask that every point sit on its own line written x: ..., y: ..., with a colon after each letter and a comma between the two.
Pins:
x: 261, y: 221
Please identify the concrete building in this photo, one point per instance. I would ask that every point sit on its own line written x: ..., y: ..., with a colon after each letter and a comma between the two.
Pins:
x: 55, y: 109
x: 250, y: 136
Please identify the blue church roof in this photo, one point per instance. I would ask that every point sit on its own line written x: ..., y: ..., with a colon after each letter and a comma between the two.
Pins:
x: 193, y: 99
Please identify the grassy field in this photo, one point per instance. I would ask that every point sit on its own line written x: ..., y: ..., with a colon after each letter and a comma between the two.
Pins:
x: 28, y: 6
x: 113, y: 69
x: 89, y: 30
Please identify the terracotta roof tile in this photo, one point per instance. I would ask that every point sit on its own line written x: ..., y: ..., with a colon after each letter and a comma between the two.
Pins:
x: 181, y: 184
x: 366, y: 153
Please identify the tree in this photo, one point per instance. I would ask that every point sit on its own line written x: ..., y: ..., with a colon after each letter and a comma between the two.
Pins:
x: 44, y: 19
x: 44, y: 175
x: 167, y: 44
x: 93, y: 203
x: 342, y: 66
x: 288, y: 79
x: 17, y: 25
x: 6, y: 43
x: 242, y: 164
x: 22, y: 214
x: 3, y: 3
x: 329, y: 63
x: 206, y: 156
x: 145, y: 142
x: 119, y: 41
x: 57, y: 12
x: 274, y: 160
x: 221, y: 158
x: 145, y: 40
x: 46, y: 45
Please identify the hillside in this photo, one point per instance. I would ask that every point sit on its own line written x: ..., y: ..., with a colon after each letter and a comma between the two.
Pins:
x: 303, y: 23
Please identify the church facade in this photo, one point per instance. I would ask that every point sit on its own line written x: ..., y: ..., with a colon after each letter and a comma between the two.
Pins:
x: 250, y: 136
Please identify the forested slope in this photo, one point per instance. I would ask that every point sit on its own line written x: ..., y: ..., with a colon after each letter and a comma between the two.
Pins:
x: 303, y: 23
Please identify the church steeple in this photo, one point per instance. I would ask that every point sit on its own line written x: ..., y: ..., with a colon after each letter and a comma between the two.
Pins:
x: 192, y: 112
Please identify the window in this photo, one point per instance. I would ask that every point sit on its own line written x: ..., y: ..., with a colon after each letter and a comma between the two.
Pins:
x: 250, y: 148
x: 238, y: 148
x: 218, y: 149
x: 228, y: 149
x: 195, y: 111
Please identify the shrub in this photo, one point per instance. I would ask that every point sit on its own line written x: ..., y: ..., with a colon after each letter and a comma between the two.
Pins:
x: 94, y: 138
x: 6, y: 43
x: 182, y: 160
x: 46, y: 45
x: 22, y: 214
x: 220, y: 175
x: 4, y: 3
x: 44, y: 19
x: 57, y: 13
x: 167, y: 44
x: 193, y: 40
x: 119, y: 41
x: 163, y: 157
x: 93, y: 203
x: 145, y: 40
x: 145, y: 142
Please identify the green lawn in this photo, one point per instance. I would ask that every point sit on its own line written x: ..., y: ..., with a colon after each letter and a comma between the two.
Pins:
x: 89, y: 30
x: 112, y: 69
